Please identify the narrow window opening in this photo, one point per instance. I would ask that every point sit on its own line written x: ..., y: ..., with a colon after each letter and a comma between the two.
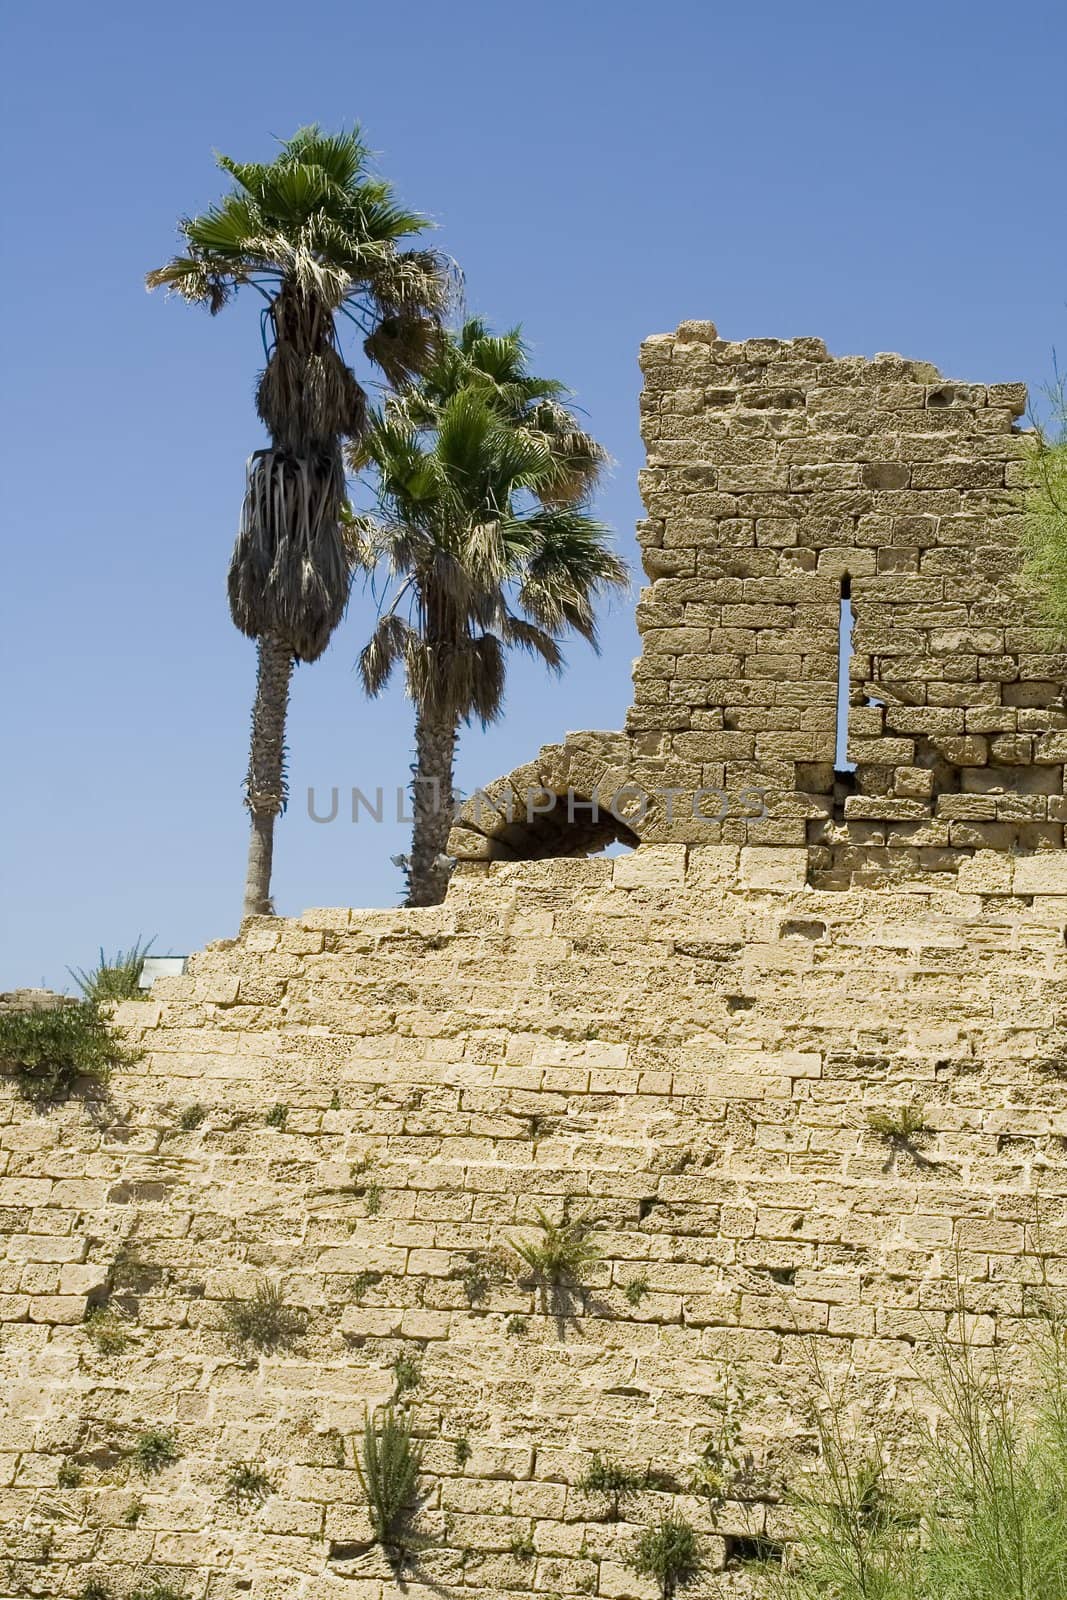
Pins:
x: 844, y: 657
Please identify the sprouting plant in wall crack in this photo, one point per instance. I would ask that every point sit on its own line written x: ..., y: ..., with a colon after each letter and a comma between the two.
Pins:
x: 389, y: 1465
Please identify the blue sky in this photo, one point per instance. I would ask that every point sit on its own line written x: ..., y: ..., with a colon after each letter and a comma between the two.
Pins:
x: 889, y: 177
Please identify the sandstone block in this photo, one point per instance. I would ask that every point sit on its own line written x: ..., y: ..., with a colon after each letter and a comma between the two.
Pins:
x: 986, y: 872
x: 651, y: 867
x: 1044, y: 873
x: 772, y: 868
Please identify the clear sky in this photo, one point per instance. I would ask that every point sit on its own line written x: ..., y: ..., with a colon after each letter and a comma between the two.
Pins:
x: 886, y: 176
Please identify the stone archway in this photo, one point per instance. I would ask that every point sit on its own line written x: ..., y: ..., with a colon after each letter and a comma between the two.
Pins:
x: 570, y: 801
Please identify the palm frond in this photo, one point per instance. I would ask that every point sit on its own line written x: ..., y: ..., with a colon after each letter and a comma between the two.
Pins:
x: 231, y: 233
x: 317, y: 219
x: 456, y: 679
x: 415, y: 281
x: 309, y: 398
x: 388, y: 645
x: 342, y: 156
x: 534, y: 640
x: 402, y: 346
x: 578, y: 458
x: 195, y: 281
x: 488, y: 672
x: 366, y: 538
x: 568, y: 564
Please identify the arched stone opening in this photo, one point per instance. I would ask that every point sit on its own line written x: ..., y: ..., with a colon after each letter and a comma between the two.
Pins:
x: 572, y: 801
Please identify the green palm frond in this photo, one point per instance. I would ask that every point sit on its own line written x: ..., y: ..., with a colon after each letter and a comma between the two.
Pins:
x: 342, y: 156
x: 316, y: 216
x: 579, y: 459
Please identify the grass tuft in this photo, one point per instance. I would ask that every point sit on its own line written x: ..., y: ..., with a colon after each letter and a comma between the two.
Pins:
x: 562, y: 1255
x: 899, y: 1126
x: 96, y: 1589
x: 153, y: 1451
x: 636, y: 1289
x: 604, y: 1476
x: 983, y: 1512
x: 114, y: 977
x: 406, y: 1375
x: 669, y: 1553
x: 157, y: 1589
x: 105, y: 1328
x: 483, y: 1270
x: 247, y: 1482
x: 264, y: 1320
x: 362, y: 1282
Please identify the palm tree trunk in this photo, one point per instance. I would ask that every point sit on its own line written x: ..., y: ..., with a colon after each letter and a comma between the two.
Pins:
x: 265, y: 785
x: 435, y: 754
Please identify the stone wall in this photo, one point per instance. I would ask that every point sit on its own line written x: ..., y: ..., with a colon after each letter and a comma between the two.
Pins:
x: 687, y: 1044
x: 706, y: 1048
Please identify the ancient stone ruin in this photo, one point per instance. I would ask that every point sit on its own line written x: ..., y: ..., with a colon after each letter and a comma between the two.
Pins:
x: 705, y: 1047
x: 782, y: 483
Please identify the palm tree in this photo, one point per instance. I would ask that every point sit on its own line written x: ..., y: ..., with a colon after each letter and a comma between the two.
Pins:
x: 484, y: 534
x: 316, y: 234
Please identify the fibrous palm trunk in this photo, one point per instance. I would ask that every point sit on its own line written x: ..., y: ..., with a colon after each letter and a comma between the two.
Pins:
x: 435, y: 754
x: 265, y: 784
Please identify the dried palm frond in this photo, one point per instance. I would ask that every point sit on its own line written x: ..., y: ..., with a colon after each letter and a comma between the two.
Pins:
x: 309, y: 398
x: 195, y: 281
x: 290, y: 571
x: 460, y: 678
x: 402, y: 345
x: 536, y: 641
x: 388, y: 645
x: 417, y: 281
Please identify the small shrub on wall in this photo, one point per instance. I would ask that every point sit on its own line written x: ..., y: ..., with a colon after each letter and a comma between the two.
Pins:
x: 51, y: 1052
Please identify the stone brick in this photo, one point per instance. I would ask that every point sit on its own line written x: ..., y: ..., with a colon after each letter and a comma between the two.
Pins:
x: 1045, y: 873
x: 767, y: 867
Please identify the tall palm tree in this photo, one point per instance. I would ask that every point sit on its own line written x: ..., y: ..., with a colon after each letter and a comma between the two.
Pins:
x: 486, y: 539
x: 316, y: 234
